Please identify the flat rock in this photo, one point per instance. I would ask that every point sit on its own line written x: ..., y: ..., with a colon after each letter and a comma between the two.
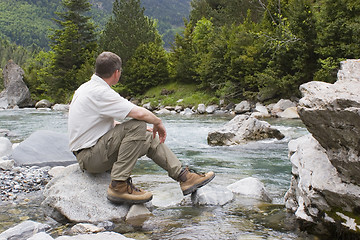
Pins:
x: 81, y: 197
x: 44, y: 148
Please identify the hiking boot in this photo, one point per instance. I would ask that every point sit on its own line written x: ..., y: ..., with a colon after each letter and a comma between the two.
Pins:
x: 126, y: 192
x: 190, y: 180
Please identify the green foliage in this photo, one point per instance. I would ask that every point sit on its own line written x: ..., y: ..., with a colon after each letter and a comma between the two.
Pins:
x: 127, y: 29
x: 147, y: 68
x: 74, y: 47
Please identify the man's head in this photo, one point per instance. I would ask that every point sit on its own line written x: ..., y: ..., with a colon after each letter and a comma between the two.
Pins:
x: 106, y: 64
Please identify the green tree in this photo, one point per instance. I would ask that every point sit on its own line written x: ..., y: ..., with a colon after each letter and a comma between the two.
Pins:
x: 74, y: 45
x: 127, y: 29
x: 338, y: 28
x: 147, y: 68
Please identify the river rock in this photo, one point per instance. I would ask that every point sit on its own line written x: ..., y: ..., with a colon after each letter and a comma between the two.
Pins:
x: 44, y: 103
x: 61, y: 107
x: 241, y: 129
x: 163, y: 111
x: 82, y: 228
x: 325, y: 181
x: 5, y: 146
x: 136, y: 211
x: 44, y: 148
x: 250, y: 187
x: 24, y: 230
x: 96, y: 236
x: 290, y: 112
x: 81, y: 197
x: 211, y: 109
x: 187, y: 112
x: 281, y: 105
x: 212, y: 195
x: 243, y: 107
x: 201, y: 108
x: 41, y: 236
x: 16, y: 93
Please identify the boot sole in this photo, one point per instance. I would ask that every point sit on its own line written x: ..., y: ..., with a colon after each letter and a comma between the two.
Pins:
x: 127, y: 201
x: 196, y: 186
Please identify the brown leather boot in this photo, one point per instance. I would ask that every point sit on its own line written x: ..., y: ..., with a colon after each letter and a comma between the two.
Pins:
x: 126, y: 192
x: 191, y: 180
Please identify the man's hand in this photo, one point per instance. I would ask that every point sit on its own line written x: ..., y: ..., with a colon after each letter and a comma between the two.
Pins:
x: 160, y: 129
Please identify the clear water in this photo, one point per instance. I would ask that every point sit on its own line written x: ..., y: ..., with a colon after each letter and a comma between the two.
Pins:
x: 172, y: 216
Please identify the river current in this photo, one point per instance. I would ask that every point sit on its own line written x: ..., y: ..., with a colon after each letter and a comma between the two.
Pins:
x: 175, y: 217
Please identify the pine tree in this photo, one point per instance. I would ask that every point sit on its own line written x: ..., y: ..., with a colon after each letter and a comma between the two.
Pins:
x: 127, y: 29
x: 74, y: 45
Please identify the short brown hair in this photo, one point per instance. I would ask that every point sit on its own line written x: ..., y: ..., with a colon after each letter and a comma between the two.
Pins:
x: 106, y: 64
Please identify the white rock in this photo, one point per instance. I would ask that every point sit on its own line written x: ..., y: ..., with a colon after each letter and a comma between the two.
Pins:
x: 5, y: 146
x: 290, y: 112
x: 137, y: 210
x: 6, y: 164
x: 243, y: 107
x: 250, y: 187
x: 41, y: 236
x: 82, y: 228
x: 81, y: 197
x: 24, y: 230
x: 163, y: 111
x: 211, y: 109
x: 212, y: 195
x: 96, y: 236
x: 201, y: 108
x: 61, y: 107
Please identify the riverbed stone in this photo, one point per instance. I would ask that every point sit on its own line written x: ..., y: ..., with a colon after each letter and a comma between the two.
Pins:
x: 187, y: 112
x: 44, y: 103
x: 243, y: 107
x: 82, y: 228
x: 326, y: 164
x: 242, y: 129
x: 137, y: 211
x: 211, y: 109
x: 281, y: 105
x: 5, y: 146
x: 290, y: 112
x: 250, y: 187
x: 61, y: 107
x: 201, y: 108
x: 24, y: 230
x: 212, y: 195
x: 96, y: 236
x: 41, y: 236
x: 44, y: 148
x: 81, y: 197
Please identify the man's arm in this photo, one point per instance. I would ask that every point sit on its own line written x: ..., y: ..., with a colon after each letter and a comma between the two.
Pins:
x: 143, y: 114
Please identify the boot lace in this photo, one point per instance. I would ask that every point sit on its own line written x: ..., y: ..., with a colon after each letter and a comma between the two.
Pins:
x: 194, y: 171
x: 131, y: 187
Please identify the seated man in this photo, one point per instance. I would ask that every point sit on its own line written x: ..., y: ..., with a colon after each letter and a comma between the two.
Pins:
x: 100, y: 143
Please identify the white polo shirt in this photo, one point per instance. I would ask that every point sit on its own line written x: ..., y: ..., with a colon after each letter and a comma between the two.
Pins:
x: 93, y: 109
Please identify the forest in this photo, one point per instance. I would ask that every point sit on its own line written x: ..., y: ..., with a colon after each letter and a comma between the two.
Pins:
x: 230, y: 49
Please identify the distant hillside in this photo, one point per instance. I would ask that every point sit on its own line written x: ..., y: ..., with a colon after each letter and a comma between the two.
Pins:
x: 28, y: 22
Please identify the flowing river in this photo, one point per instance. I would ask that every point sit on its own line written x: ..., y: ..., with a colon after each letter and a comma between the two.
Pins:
x: 175, y: 217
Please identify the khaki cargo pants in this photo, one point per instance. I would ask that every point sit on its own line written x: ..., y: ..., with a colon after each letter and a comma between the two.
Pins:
x: 120, y: 148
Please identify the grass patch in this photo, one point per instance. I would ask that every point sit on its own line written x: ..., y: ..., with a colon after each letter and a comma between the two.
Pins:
x: 189, y: 93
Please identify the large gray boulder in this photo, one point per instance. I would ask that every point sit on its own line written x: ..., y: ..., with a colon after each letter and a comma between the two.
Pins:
x: 16, y: 93
x: 44, y: 148
x: 331, y: 113
x: 242, y: 129
x: 325, y: 185
x: 78, y: 196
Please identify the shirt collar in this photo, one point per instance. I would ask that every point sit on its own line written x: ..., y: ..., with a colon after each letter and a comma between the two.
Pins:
x: 98, y: 79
